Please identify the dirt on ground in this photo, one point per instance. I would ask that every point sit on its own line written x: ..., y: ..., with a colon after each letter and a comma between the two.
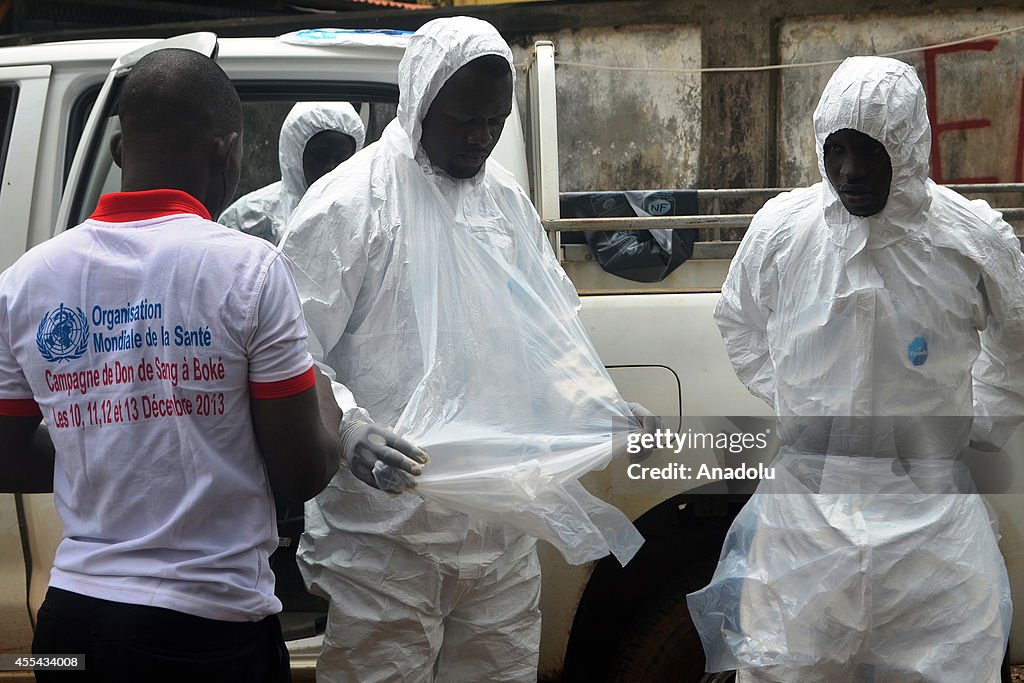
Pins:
x: 1017, y: 674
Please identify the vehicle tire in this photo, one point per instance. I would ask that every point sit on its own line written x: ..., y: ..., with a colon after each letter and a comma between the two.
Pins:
x: 663, y: 645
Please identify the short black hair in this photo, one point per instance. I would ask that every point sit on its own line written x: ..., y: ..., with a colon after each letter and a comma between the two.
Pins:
x: 175, y: 95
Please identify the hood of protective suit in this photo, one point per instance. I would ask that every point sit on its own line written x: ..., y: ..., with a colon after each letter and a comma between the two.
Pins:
x: 436, y: 51
x: 882, y: 98
x: 264, y: 212
x: 305, y: 120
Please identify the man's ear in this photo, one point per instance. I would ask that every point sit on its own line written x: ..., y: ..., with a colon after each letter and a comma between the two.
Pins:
x: 115, y: 148
x: 223, y: 150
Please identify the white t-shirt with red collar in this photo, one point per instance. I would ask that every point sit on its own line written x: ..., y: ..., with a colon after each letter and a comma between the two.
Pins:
x: 140, y: 336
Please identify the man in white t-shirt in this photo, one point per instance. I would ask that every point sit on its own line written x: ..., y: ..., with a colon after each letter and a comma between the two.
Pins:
x: 167, y: 355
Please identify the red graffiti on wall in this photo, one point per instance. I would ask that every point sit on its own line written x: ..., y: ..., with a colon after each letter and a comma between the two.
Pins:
x: 962, y: 124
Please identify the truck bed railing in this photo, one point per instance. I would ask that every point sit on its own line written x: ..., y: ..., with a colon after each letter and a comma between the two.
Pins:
x: 714, y: 247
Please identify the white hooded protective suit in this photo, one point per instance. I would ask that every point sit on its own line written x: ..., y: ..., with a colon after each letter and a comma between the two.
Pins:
x: 265, y: 212
x: 876, y: 339
x: 440, y: 305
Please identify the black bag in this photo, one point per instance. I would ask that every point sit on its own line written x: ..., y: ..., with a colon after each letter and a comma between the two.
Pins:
x: 639, y: 255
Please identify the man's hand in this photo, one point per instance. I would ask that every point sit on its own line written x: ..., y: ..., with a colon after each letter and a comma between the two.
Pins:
x: 380, y: 458
x: 649, y: 423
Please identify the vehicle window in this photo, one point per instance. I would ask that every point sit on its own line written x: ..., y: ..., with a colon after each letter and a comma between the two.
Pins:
x: 263, y: 113
x: 80, y: 111
x: 8, y: 95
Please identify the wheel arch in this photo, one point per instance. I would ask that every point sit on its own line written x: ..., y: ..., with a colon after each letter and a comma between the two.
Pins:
x: 683, y: 538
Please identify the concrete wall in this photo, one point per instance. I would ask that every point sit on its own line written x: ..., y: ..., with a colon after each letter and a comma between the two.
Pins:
x: 752, y: 129
x: 735, y: 129
x: 626, y: 129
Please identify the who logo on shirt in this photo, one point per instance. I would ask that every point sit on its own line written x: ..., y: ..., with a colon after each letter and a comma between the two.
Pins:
x: 63, y: 334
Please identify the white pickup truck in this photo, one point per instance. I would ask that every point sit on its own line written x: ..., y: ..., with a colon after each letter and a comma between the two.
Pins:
x: 601, y: 622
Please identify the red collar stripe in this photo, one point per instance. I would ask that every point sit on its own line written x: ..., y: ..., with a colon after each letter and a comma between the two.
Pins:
x: 129, y: 207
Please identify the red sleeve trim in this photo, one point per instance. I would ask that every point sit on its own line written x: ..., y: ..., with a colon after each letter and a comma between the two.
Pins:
x: 19, y: 407
x: 284, y: 388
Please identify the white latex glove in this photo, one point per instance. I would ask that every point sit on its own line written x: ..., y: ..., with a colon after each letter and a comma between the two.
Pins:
x: 649, y: 423
x: 380, y: 458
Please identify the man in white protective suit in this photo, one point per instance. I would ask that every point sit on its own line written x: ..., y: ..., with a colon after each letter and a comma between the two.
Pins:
x: 882, y: 316
x: 315, y: 138
x: 411, y: 259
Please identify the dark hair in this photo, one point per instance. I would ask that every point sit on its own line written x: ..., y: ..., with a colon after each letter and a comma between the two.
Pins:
x: 175, y: 95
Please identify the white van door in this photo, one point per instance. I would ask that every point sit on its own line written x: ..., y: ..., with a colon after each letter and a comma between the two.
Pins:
x: 22, y: 101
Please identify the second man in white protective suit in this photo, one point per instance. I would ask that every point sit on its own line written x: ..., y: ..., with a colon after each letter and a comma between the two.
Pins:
x: 419, y: 264
x: 882, y: 316
x: 315, y: 138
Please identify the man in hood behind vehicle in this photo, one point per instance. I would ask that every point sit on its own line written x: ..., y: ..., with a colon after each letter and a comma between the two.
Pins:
x: 315, y: 138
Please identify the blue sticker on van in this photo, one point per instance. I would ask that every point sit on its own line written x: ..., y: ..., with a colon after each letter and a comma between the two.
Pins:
x: 329, y: 35
x: 326, y: 33
x: 917, y: 352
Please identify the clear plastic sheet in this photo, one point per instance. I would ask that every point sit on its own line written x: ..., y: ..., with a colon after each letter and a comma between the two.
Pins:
x: 840, y: 565
x: 514, y: 402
